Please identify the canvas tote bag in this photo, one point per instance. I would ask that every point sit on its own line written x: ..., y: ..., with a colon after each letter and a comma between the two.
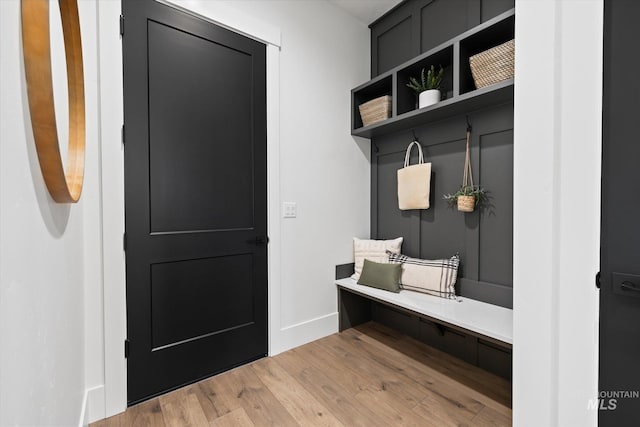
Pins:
x: 414, y: 182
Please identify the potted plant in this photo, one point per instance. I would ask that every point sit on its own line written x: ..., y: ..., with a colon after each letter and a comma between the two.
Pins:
x: 428, y: 87
x: 467, y: 197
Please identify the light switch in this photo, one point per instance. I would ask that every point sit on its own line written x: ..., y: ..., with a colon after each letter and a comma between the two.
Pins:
x: 289, y: 209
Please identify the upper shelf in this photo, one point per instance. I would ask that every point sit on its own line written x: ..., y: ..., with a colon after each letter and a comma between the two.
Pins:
x: 459, y: 95
x: 496, y: 94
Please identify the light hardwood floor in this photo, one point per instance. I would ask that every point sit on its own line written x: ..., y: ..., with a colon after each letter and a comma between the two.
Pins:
x: 366, y: 376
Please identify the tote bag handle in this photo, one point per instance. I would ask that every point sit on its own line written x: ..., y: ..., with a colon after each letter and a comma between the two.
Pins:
x: 408, y: 155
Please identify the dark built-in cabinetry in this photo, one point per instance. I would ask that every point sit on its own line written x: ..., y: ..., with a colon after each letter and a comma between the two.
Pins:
x: 447, y: 33
x: 459, y: 94
x: 416, y: 26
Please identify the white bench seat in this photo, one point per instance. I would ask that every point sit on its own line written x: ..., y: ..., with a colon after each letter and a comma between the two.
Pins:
x: 478, y: 317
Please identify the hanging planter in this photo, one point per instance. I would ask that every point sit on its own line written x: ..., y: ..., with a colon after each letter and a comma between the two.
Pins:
x: 469, y: 196
x: 466, y: 203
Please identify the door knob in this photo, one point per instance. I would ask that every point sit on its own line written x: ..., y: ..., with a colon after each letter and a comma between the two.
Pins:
x: 259, y: 240
x: 629, y: 286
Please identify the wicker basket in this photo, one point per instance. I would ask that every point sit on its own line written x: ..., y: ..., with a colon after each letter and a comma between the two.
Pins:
x: 493, y: 65
x: 376, y: 110
x: 466, y: 203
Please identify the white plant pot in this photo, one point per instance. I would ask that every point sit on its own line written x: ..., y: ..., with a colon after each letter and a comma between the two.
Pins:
x: 428, y: 97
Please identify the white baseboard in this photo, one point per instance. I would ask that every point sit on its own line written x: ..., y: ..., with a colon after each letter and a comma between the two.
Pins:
x: 92, y: 406
x: 83, y: 421
x: 307, y: 331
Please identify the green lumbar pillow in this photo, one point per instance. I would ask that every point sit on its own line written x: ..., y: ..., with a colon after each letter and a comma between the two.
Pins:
x: 381, y: 276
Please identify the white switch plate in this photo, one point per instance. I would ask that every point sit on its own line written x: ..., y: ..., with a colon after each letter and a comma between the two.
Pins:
x: 289, y: 209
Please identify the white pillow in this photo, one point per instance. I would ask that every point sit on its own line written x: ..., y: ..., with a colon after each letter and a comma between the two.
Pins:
x: 373, y: 250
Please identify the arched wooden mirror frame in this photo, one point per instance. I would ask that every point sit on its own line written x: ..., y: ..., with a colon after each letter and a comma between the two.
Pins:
x: 64, y: 187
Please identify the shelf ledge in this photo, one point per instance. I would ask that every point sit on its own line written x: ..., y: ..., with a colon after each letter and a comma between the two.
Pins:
x: 490, y: 96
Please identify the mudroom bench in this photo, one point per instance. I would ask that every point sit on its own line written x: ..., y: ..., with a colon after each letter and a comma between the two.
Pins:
x: 474, y: 331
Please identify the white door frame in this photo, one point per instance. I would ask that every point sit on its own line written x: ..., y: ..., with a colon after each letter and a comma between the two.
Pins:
x: 557, y: 156
x: 112, y: 177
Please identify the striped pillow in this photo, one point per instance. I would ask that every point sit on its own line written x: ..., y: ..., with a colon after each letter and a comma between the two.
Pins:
x: 435, y: 277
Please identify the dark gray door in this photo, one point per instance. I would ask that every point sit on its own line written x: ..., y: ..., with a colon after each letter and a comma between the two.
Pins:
x: 620, y: 247
x: 195, y: 198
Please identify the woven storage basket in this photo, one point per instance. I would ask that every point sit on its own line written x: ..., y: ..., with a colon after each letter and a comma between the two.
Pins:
x: 493, y: 65
x: 376, y: 110
x: 466, y: 203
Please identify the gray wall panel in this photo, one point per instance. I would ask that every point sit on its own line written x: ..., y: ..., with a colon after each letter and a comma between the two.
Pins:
x: 393, y: 48
x: 491, y: 8
x: 443, y: 20
x: 443, y: 229
x: 482, y: 238
x: 496, y: 221
x: 395, y: 222
x: 486, y: 292
x: 344, y: 270
x: 416, y: 26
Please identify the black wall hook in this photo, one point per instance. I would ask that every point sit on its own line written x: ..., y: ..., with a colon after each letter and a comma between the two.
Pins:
x: 415, y: 137
x: 468, y: 125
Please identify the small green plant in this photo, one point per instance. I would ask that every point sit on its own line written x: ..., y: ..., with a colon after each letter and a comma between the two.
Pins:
x: 469, y: 190
x: 429, y: 80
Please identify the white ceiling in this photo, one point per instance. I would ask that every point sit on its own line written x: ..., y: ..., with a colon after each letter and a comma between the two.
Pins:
x: 366, y: 11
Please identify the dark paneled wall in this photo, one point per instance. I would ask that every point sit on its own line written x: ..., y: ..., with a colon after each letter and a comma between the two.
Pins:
x: 416, y: 26
x: 482, y: 238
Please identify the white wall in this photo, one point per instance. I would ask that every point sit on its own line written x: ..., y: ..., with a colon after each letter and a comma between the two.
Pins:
x: 557, y: 149
x: 50, y: 275
x: 324, y: 54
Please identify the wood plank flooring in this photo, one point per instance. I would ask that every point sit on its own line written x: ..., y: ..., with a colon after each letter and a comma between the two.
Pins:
x: 365, y: 376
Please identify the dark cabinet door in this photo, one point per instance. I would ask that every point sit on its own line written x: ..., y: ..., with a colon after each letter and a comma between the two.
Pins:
x: 195, y: 198
x: 415, y: 26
